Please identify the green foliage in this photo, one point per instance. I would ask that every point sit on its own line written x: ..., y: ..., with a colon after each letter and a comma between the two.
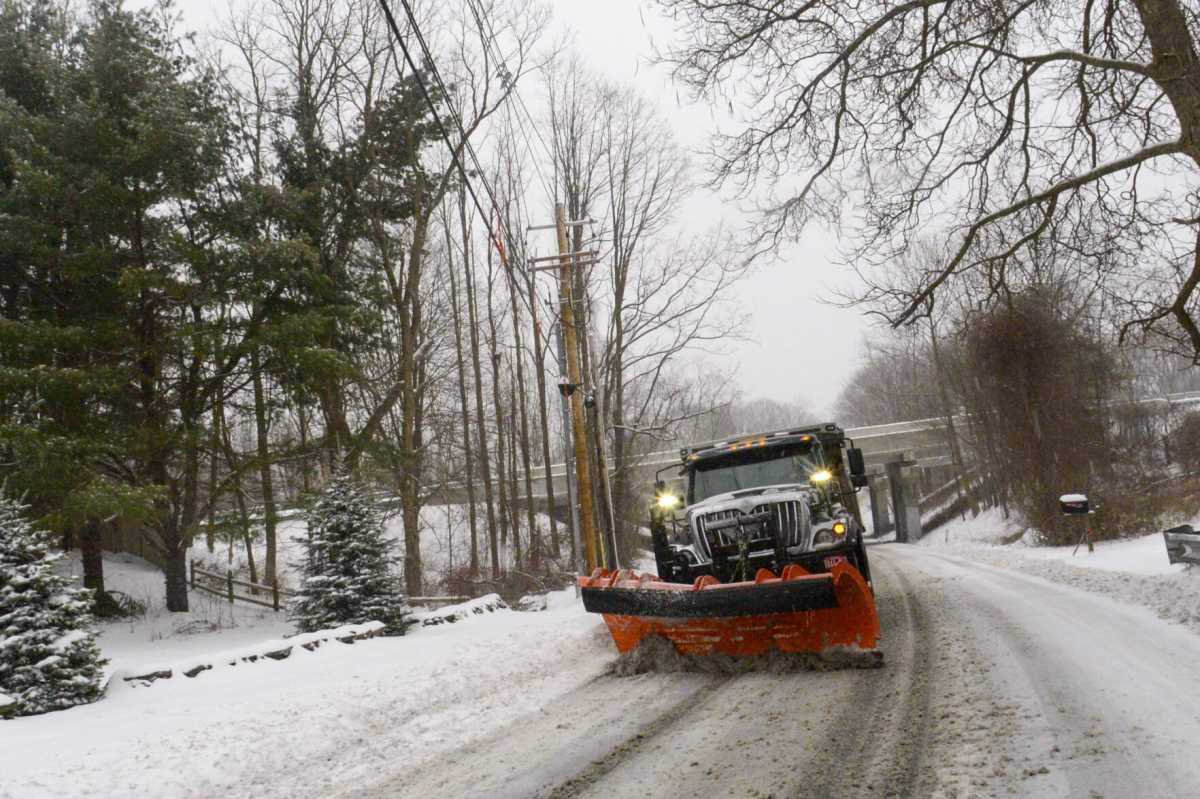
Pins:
x: 146, y: 254
x: 48, y: 655
x: 109, y: 288
x: 348, y: 567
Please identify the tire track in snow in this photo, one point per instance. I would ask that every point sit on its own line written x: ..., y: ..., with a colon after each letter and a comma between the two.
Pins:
x: 637, y: 741
x: 804, y: 734
x: 881, y: 726
x: 1107, y: 682
x: 551, y: 745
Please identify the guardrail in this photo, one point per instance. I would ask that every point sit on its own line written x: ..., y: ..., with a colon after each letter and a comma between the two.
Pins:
x: 1183, y: 544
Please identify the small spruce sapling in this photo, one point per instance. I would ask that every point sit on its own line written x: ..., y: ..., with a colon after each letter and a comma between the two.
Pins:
x: 347, y: 570
x: 49, y: 659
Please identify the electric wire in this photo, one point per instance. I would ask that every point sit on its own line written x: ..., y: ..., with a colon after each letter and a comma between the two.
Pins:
x: 469, y: 148
x: 466, y: 145
x: 492, y: 44
x: 455, y: 153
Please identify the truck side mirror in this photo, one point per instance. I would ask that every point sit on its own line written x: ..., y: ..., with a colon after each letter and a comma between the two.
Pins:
x: 855, y: 458
x: 1073, y: 504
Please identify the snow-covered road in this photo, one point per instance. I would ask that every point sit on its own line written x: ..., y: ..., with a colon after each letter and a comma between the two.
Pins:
x: 996, y: 684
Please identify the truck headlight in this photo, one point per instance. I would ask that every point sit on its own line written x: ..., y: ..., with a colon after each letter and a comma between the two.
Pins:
x: 839, y: 529
x: 821, y: 476
x: 667, y: 501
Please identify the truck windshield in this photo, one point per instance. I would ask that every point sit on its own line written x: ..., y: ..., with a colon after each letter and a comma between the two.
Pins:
x: 753, y: 469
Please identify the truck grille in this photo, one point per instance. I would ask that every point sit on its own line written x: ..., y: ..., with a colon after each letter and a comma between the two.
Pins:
x: 785, y: 517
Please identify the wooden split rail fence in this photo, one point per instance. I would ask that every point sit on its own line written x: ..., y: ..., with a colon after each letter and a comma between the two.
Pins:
x: 223, y: 585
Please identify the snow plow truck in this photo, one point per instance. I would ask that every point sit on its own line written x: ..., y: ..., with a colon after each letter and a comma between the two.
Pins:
x: 758, y: 543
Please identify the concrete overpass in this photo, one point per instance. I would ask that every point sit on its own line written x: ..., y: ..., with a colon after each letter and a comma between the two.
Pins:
x: 923, y: 440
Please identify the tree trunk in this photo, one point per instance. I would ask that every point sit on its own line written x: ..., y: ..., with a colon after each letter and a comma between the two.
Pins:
x: 239, y: 491
x: 497, y: 408
x: 480, y: 425
x: 539, y: 356
x: 213, y: 479
x: 176, y: 565
x: 513, y: 490
x: 534, y: 543
x: 167, y: 519
x: 305, y: 465
x: 1175, y: 65
x: 410, y: 501
x: 964, y: 485
x: 247, y: 533
x: 270, y: 516
x: 465, y: 416
x: 604, y: 494
x: 92, y: 554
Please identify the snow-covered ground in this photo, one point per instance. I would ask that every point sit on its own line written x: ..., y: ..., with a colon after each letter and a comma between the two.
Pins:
x: 989, y: 527
x: 1133, y: 571
x: 1142, y: 555
x: 141, y: 644
x: 267, y: 723
x: 504, y: 699
x: 264, y: 728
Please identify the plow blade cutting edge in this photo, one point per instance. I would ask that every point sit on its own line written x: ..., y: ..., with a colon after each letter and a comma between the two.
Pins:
x: 798, y: 612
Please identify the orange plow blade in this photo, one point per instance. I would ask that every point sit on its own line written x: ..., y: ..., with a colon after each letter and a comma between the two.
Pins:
x: 795, y: 612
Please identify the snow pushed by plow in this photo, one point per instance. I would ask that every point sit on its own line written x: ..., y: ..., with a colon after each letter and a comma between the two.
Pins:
x: 1132, y: 571
x: 658, y: 655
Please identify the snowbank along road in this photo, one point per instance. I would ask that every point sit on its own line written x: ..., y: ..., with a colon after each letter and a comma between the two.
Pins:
x: 995, y: 684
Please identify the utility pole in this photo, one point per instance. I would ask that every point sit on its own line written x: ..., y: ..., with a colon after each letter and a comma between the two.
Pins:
x: 569, y: 458
x: 604, y: 484
x: 573, y: 388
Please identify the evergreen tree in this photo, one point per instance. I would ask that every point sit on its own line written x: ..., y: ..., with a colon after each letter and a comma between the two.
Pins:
x: 48, y: 655
x: 348, y: 575
x: 122, y: 305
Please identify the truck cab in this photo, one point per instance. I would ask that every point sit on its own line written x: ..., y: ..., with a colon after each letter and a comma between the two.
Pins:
x: 767, y: 500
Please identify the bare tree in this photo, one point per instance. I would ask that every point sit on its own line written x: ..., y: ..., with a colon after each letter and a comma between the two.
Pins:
x: 659, y: 293
x: 1007, y: 124
x: 894, y: 383
x: 464, y: 405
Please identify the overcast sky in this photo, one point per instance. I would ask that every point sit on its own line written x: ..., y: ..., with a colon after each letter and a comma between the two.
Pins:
x: 799, y: 347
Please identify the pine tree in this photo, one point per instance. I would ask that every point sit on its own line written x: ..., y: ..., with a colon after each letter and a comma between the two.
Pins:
x: 123, y: 305
x: 48, y: 654
x: 348, y: 575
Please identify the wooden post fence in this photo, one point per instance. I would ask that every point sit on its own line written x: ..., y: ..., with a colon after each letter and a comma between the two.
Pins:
x: 209, y: 582
x: 222, y: 585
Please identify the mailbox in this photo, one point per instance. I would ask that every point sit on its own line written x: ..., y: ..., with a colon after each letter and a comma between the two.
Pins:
x: 1073, y: 504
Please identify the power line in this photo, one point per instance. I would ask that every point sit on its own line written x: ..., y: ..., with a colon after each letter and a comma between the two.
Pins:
x: 464, y: 142
x: 457, y: 119
x: 490, y: 41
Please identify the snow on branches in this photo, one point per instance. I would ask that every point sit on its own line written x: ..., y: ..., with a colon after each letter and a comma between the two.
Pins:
x: 347, y: 574
x: 48, y: 654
